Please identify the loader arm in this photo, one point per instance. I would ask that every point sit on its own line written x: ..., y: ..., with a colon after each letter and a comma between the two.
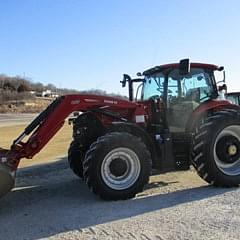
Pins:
x: 48, y: 123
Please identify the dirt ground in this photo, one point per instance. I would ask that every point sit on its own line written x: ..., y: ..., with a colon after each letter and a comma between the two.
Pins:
x: 57, y: 146
x: 32, y: 105
x: 50, y: 202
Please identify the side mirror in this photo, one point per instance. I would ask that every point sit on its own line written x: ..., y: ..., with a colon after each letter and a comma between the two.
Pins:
x: 220, y: 68
x: 139, y: 74
x: 184, y: 66
x: 224, y: 78
x: 126, y: 78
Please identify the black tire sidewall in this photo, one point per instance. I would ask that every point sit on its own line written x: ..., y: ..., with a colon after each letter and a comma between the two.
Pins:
x: 213, y: 169
x: 106, y: 145
x: 75, y: 158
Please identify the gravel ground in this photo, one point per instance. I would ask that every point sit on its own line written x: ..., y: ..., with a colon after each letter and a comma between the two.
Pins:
x: 49, y: 202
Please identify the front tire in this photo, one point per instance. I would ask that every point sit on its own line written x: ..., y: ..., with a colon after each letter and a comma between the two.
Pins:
x: 215, y: 150
x: 76, y: 154
x: 117, y: 166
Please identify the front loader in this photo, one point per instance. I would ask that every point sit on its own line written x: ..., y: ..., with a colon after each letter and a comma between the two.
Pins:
x: 177, y: 121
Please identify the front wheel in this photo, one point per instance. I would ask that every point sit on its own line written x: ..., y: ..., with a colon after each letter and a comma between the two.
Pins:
x: 117, y: 166
x: 216, y: 148
x: 76, y: 154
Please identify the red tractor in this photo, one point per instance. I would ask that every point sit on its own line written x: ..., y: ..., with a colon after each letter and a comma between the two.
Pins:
x: 178, y: 121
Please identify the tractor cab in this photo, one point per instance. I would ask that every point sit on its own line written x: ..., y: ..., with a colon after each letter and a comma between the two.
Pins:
x: 179, y: 91
x: 176, y: 90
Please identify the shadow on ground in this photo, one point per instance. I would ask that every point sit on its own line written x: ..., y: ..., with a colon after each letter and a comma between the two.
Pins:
x: 49, y: 200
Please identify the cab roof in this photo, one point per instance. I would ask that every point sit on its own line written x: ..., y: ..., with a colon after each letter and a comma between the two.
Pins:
x: 161, y: 68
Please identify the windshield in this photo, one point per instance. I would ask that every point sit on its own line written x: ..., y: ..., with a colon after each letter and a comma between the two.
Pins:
x: 196, y: 86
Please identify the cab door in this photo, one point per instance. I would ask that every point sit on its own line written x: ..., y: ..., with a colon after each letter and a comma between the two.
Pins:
x: 184, y: 95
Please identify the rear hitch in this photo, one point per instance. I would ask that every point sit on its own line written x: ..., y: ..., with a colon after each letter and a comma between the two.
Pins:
x: 7, y: 174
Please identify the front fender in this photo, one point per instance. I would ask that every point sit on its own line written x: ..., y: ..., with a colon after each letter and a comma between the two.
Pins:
x: 137, y: 131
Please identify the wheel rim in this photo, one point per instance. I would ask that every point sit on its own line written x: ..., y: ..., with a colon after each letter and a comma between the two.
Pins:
x: 227, y: 150
x: 120, y: 168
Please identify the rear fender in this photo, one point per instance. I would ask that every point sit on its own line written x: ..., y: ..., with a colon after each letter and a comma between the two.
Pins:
x: 205, y: 108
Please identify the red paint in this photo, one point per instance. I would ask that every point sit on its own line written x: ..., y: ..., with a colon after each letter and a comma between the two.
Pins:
x: 214, y: 105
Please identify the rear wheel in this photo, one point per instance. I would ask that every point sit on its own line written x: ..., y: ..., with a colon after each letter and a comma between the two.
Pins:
x: 216, y: 148
x: 117, y: 166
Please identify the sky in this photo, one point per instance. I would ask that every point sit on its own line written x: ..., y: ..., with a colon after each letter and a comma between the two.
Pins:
x: 85, y: 45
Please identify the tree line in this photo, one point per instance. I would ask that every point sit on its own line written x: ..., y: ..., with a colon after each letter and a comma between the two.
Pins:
x: 21, y: 84
x: 19, y: 88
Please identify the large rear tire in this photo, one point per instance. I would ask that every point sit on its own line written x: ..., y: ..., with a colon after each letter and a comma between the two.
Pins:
x: 117, y: 166
x: 215, y: 152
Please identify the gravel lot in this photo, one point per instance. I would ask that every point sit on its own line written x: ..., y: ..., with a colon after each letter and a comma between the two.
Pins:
x: 49, y: 202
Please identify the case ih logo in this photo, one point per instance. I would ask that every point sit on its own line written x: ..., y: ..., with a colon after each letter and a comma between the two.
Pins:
x: 90, y: 100
x: 75, y: 102
x: 110, y: 102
